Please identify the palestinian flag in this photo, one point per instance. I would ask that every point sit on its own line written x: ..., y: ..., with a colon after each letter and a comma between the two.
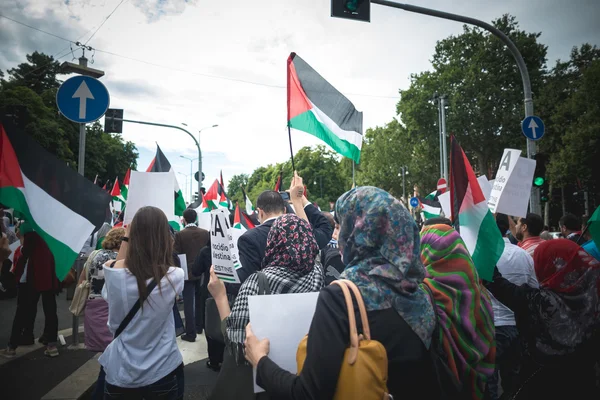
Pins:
x: 594, y: 227
x: 104, y: 187
x: 116, y: 191
x: 249, y: 206
x: 316, y: 107
x: 430, y: 206
x: 278, y: 183
x: 161, y: 164
x: 223, y: 192
x: 215, y: 196
x: 202, y: 208
x: 63, y: 207
x: 471, y: 215
x: 125, y: 185
x: 241, y: 220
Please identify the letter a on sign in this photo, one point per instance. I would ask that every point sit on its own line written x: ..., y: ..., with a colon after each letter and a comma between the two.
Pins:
x: 218, y: 227
x: 505, y: 164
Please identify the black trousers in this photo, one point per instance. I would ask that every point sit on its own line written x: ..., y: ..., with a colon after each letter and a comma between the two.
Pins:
x: 27, y: 300
x: 215, y: 351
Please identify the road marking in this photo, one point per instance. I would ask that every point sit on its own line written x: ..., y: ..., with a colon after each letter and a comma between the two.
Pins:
x: 76, y: 384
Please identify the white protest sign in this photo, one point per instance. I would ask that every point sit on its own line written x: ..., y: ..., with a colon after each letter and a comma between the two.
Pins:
x: 512, y: 186
x: 149, y: 189
x: 485, y: 185
x: 284, y: 319
x: 444, y: 200
x: 117, y: 206
x: 225, y: 258
x: 183, y: 263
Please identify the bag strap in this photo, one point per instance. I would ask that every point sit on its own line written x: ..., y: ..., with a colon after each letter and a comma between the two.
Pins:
x: 263, y: 283
x: 133, y: 310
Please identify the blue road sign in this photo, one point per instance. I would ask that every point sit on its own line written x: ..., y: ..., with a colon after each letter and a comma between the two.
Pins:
x: 533, y: 128
x: 82, y: 99
x: 414, y: 202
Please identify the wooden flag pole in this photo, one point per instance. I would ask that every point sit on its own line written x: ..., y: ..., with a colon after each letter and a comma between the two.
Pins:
x: 291, y: 150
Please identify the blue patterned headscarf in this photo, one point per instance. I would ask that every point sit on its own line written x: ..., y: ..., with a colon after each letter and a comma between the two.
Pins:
x: 380, y: 245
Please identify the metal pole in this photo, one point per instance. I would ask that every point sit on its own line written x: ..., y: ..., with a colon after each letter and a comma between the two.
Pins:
x: 444, y: 144
x: 534, y: 202
x: 174, y: 127
x: 353, y: 180
x: 440, y: 137
x: 199, y: 165
x: 404, y: 183
x: 191, y: 181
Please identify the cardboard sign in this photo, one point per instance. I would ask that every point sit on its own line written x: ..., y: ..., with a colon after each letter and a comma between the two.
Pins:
x: 225, y: 258
x: 512, y: 186
x: 284, y: 319
x: 149, y: 189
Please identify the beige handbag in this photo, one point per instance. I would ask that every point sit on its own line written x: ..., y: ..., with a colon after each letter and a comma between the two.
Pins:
x: 82, y: 291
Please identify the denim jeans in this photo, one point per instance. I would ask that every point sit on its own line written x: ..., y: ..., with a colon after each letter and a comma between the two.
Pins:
x: 171, y: 387
x: 508, y: 355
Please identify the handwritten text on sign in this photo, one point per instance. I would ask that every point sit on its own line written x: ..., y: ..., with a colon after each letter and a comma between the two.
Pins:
x: 225, y: 259
x: 512, y: 186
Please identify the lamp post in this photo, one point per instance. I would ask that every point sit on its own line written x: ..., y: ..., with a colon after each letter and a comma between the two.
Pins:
x: 186, y: 183
x: 200, y: 153
x: 191, y: 174
x: 404, y: 173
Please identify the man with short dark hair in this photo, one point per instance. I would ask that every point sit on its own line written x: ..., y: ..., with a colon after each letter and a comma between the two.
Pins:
x: 270, y: 205
x: 527, y: 232
x: 189, y: 241
x: 569, y: 227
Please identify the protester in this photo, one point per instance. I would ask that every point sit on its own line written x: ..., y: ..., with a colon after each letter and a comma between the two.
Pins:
x: 270, y: 206
x: 569, y: 227
x: 527, y: 232
x: 97, y: 334
x: 559, y: 322
x: 143, y: 360
x: 463, y: 307
x: 589, y: 245
x: 189, y: 241
x: 437, y: 221
x: 8, y: 283
x: 379, y: 241
x: 6, y: 231
x: 545, y: 235
x: 330, y: 256
x: 515, y: 265
x: 290, y: 267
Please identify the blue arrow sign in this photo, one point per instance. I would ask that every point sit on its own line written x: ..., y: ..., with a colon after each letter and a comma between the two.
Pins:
x: 533, y: 128
x: 414, y: 202
x: 82, y: 99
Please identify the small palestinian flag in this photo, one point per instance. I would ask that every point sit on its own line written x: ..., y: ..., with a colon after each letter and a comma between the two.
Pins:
x: 430, y: 206
x: 161, y: 164
x: 215, y: 196
x: 241, y: 220
x: 63, y: 207
x: 222, y: 191
x: 116, y: 191
x: 202, y: 208
x: 278, y: 183
x: 316, y: 107
x: 249, y: 206
x: 471, y: 216
x: 125, y: 185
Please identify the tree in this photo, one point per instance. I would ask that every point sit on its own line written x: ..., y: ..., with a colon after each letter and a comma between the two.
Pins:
x: 39, y: 74
x: 483, y: 86
x: 234, y: 188
x: 107, y: 155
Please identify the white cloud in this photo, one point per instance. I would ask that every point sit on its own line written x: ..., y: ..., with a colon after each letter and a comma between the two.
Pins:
x: 250, y: 41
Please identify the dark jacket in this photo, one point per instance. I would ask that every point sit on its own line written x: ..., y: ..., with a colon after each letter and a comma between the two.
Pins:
x: 331, y: 260
x: 40, y: 264
x: 252, y: 244
x: 190, y: 241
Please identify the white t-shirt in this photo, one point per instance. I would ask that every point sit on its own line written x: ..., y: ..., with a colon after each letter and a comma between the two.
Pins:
x: 146, y: 350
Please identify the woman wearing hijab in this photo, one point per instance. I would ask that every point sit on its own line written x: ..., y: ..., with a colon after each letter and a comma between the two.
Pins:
x: 559, y: 322
x: 463, y: 307
x: 379, y: 242
x: 290, y: 267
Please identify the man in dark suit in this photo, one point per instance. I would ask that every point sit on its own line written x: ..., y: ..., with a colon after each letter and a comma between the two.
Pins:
x: 270, y: 205
x: 190, y: 241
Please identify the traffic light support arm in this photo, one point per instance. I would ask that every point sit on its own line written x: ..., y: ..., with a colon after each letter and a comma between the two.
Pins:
x: 174, y: 127
x: 528, y: 100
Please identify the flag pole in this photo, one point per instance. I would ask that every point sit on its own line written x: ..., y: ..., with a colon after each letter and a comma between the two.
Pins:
x: 291, y: 150
x: 353, y: 178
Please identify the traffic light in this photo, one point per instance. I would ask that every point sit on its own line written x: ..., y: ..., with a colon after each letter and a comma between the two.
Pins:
x: 351, y: 9
x: 539, y: 176
x: 110, y: 124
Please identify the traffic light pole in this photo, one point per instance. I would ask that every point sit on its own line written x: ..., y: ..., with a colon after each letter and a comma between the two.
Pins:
x: 534, y: 201
x: 174, y: 127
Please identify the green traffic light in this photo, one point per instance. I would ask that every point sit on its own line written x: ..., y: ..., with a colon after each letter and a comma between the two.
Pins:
x: 352, y: 5
x: 539, y: 181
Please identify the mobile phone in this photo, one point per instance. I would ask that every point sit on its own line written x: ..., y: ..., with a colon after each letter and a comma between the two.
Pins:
x: 285, y: 196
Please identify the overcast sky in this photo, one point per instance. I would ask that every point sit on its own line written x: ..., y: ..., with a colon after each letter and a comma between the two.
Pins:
x: 224, y: 62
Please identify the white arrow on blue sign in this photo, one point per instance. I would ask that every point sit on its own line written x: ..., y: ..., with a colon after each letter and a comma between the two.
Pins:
x: 533, y: 128
x: 82, y: 99
x: 414, y: 202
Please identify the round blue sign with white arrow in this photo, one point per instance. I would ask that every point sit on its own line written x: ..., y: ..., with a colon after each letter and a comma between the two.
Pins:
x: 414, y: 202
x: 533, y: 128
x: 82, y: 99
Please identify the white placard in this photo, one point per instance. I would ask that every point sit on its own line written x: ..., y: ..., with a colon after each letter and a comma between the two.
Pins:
x: 512, y: 186
x: 444, y: 200
x: 225, y: 258
x: 117, y: 205
x: 485, y: 185
x: 284, y: 319
x: 183, y: 263
x: 149, y: 189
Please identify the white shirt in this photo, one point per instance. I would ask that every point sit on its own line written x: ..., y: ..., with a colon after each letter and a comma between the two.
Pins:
x: 146, y: 350
x: 516, y: 266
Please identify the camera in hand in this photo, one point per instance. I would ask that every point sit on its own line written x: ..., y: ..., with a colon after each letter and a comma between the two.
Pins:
x: 285, y: 196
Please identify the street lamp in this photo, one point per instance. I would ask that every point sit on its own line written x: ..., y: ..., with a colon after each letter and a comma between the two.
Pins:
x: 200, y: 153
x: 191, y: 166
x: 186, y: 183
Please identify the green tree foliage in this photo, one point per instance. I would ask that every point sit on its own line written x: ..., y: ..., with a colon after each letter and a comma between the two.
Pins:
x: 32, y: 87
x: 484, y: 93
x: 234, y: 188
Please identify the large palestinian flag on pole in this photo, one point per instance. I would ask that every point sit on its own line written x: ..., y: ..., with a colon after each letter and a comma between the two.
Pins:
x: 161, y: 164
x: 63, y: 207
x: 471, y: 215
x: 316, y: 107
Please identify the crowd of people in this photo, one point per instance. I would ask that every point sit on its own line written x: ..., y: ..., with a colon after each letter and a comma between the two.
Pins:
x: 430, y: 327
